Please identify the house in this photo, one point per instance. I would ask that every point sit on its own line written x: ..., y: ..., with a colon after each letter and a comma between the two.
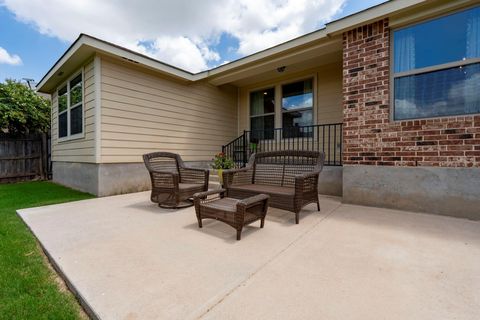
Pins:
x: 391, y: 94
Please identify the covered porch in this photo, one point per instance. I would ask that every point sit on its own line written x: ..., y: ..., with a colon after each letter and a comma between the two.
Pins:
x: 293, y: 102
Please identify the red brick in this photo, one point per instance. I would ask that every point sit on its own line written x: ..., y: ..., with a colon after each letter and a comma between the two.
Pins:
x: 450, y: 142
x: 370, y: 138
x: 427, y: 153
x: 406, y: 153
x: 452, y: 153
x: 438, y: 159
x: 460, y: 147
x: 473, y: 142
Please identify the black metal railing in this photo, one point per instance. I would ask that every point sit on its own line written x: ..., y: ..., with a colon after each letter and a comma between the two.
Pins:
x: 321, y: 137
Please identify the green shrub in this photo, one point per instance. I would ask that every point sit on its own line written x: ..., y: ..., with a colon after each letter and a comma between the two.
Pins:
x: 221, y: 161
x: 22, y: 110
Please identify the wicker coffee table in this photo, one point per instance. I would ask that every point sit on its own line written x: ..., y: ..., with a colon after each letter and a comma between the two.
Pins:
x: 234, y: 212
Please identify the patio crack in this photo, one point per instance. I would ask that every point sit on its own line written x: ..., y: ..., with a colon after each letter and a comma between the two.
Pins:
x: 274, y: 257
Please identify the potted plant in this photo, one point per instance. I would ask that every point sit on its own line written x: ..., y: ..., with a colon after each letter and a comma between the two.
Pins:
x: 222, y: 162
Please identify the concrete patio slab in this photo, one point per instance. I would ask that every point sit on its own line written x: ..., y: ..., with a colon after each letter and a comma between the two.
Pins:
x: 129, y: 259
x: 368, y: 263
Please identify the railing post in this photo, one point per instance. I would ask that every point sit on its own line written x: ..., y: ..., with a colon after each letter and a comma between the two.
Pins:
x: 341, y: 144
x: 223, y: 149
x: 244, y: 147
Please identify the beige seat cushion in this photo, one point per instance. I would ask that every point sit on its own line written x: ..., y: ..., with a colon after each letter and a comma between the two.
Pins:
x: 260, y: 188
x: 225, y: 204
x: 190, y: 186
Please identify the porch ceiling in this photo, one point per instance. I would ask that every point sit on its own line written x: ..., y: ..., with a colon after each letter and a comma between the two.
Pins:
x: 296, y: 61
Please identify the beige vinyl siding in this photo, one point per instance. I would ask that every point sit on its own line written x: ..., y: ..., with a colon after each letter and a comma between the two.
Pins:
x: 81, y: 149
x: 330, y: 95
x: 144, y: 112
x: 330, y: 108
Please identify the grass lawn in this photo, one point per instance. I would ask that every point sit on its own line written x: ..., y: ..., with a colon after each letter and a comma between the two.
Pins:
x: 29, y: 289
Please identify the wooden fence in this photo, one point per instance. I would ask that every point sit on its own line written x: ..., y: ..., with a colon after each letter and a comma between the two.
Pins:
x: 24, y: 158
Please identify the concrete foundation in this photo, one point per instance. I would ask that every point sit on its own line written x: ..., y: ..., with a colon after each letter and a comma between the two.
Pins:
x: 102, y: 179
x: 120, y: 178
x: 108, y: 179
x: 446, y: 191
x: 330, y: 181
x: 76, y: 175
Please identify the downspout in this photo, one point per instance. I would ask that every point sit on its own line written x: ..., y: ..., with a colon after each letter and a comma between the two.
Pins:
x: 238, y: 111
x: 97, y: 69
x: 98, y: 108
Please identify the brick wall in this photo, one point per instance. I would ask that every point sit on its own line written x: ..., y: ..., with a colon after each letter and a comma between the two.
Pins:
x: 370, y: 137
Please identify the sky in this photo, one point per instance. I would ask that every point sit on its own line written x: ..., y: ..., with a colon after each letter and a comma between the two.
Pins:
x: 192, y: 35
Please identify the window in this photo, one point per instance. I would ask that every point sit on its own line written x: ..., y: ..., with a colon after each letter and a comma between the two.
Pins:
x: 262, y: 113
x: 297, y: 108
x: 70, y: 108
x: 62, y: 112
x: 436, y: 67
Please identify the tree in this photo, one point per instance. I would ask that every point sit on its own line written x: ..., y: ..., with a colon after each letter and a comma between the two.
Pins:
x: 22, y: 111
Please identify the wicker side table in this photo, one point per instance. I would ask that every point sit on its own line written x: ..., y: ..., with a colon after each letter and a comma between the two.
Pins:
x: 236, y: 213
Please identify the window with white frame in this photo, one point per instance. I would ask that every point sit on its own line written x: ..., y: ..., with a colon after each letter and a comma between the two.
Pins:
x: 262, y: 113
x: 436, y: 67
x: 297, y: 108
x: 70, y: 108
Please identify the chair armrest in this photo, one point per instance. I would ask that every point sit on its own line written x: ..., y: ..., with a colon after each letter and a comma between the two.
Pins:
x: 253, y: 200
x: 164, y: 178
x: 194, y: 175
x: 306, y: 182
x: 237, y: 176
x: 195, y: 169
x: 168, y: 173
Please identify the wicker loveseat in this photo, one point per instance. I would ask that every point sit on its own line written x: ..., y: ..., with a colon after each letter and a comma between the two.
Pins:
x: 173, y: 183
x: 290, y: 178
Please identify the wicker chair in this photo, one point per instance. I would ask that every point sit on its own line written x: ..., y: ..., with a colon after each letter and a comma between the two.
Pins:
x: 173, y: 183
x: 290, y: 178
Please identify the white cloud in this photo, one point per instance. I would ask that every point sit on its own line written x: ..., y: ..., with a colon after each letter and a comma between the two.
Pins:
x: 182, y: 32
x: 8, y: 58
x: 181, y: 51
x: 462, y: 96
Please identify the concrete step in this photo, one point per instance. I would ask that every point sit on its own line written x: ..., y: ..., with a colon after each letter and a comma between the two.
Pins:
x: 214, y: 185
x: 214, y: 181
x: 213, y: 177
